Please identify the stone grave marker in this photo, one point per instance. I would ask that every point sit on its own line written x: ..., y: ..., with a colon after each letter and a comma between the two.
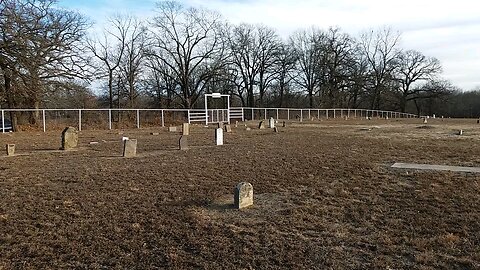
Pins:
x: 248, y: 129
x: 236, y: 124
x: 271, y: 122
x: 243, y: 195
x: 220, y: 125
x: 183, y: 143
x: 261, y: 125
x: 69, y: 138
x: 284, y: 124
x: 172, y: 129
x: 10, y: 149
x: 219, y: 136
x: 130, y: 148
x: 425, y: 120
x: 275, y: 129
x: 154, y: 133
x: 460, y: 132
x: 228, y: 128
x: 185, y: 129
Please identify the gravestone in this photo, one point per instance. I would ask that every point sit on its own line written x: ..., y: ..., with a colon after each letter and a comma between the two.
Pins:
x: 10, y: 149
x: 130, y: 148
x: 69, y: 138
x: 275, y: 129
x: 243, y: 195
x: 271, y: 122
x: 284, y: 124
x: 228, y: 128
x: 248, y: 129
x: 460, y: 132
x: 425, y: 120
x: 220, y: 125
x: 185, y: 129
x: 261, y: 125
x: 236, y: 124
x: 172, y: 129
x: 154, y: 133
x: 478, y: 121
x: 183, y: 143
x: 219, y: 136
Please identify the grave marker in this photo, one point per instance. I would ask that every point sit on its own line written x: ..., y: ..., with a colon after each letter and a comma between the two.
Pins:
x: 425, y: 120
x: 275, y: 129
x: 243, y: 195
x: 271, y: 122
x: 172, y: 129
x: 228, y: 128
x: 10, y: 149
x: 219, y: 136
x: 185, y: 129
x: 69, y: 138
x: 183, y: 143
x: 129, y: 148
x: 261, y: 125
x: 220, y: 125
x: 284, y: 124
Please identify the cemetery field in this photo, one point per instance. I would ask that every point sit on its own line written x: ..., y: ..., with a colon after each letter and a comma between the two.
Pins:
x: 325, y: 197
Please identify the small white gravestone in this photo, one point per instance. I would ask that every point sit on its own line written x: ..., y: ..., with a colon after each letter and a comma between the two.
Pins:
x: 172, y: 129
x: 10, y: 149
x: 219, y: 136
x: 130, y: 148
x: 228, y: 128
x: 261, y: 125
x: 185, y: 129
x: 124, y: 139
x: 425, y: 120
x: 460, y: 132
x: 271, y: 122
x: 243, y: 195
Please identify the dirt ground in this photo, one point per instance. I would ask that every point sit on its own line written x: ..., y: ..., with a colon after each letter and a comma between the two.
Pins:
x: 325, y: 198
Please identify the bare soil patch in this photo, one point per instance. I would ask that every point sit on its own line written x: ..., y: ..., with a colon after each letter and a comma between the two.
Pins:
x: 325, y: 198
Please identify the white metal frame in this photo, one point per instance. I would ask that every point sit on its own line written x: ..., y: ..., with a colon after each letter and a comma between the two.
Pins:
x: 216, y: 95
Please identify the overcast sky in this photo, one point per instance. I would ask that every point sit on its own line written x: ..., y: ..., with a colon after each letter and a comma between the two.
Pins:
x: 447, y: 30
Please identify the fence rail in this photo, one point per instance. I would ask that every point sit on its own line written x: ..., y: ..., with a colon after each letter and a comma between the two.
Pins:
x: 125, y: 118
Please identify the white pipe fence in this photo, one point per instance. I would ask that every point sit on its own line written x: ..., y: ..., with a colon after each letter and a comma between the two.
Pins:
x: 125, y: 118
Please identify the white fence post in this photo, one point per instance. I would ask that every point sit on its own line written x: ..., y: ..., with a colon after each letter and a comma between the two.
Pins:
x: 110, y: 119
x: 138, y: 118
x: 80, y: 120
x: 44, y: 122
x: 277, y: 113
x: 163, y: 119
x: 265, y: 116
x: 3, y: 121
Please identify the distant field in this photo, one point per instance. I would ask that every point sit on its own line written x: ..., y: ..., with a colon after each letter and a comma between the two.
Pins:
x: 325, y: 198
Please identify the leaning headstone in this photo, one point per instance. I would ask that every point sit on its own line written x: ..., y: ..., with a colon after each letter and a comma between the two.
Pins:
x: 219, y: 136
x: 10, y: 149
x: 69, y: 138
x: 261, y: 125
x: 228, y: 128
x: 172, y: 129
x: 130, y: 148
x: 271, y: 122
x: 183, y: 143
x: 185, y: 129
x: 243, y: 195
x: 275, y: 129
x: 220, y: 125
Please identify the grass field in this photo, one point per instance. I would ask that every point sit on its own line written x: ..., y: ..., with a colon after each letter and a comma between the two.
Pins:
x: 325, y: 198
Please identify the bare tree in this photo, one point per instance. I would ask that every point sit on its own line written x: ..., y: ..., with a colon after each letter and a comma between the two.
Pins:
x: 413, y: 68
x: 190, y: 43
x: 380, y: 50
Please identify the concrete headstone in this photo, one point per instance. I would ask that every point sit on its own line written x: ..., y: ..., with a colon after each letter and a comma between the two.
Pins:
x: 69, y: 138
x: 261, y: 125
x: 425, y: 120
x: 172, y: 129
x: 183, y: 143
x: 185, y: 129
x: 284, y: 124
x: 271, y: 122
x: 219, y: 136
x: 275, y: 129
x: 460, y: 132
x: 243, y: 195
x: 228, y: 128
x: 130, y: 148
x: 10, y: 149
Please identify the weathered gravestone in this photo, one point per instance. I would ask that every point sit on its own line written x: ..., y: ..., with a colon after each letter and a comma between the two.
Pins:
x: 220, y: 125
x: 154, y: 133
x: 130, y: 148
x: 284, y: 124
x: 460, y: 132
x: 69, y: 138
x: 228, y: 128
x: 236, y: 124
x: 219, y: 136
x: 172, y: 129
x: 261, y: 125
x: 10, y: 149
x: 185, y: 129
x: 425, y: 120
x: 271, y: 122
x: 275, y: 129
x: 243, y: 195
x: 183, y: 143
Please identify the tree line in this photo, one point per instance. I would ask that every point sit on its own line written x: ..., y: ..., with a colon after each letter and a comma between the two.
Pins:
x: 48, y: 59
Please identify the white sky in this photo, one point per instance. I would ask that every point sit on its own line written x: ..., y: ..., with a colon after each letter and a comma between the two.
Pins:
x: 447, y: 30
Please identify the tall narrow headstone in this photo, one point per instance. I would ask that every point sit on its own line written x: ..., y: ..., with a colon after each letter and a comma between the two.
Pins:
x: 185, y: 129
x: 271, y: 122
x: 219, y: 136
x: 243, y: 195
x: 460, y: 132
x: 284, y: 124
x: 10, y: 149
x: 236, y: 124
x: 228, y: 128
x: 183, y: 143
x: 261, y: 125
x: 130, y: 148
x: 69, y: 138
